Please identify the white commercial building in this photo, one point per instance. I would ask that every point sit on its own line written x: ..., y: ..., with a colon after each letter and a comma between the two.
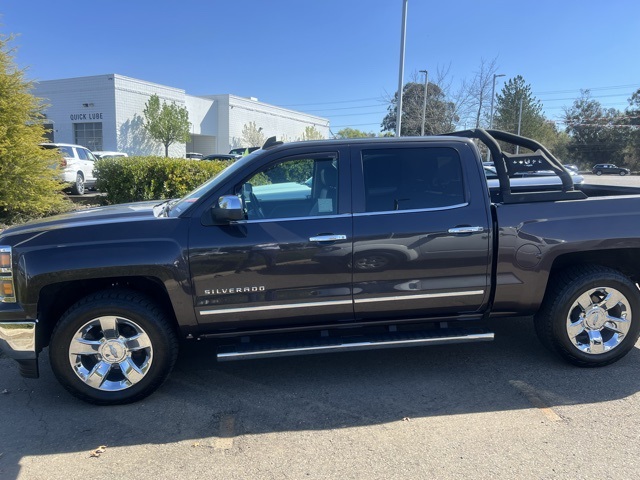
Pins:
x: 105, y: 112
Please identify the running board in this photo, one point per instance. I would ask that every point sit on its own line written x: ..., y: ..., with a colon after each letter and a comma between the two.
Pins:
x: 327, y: 345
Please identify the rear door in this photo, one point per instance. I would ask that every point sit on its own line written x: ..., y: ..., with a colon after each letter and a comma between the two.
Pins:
x: 421, y: 230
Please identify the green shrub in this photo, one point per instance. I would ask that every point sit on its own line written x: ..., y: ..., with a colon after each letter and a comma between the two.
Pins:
x: 136, y: 179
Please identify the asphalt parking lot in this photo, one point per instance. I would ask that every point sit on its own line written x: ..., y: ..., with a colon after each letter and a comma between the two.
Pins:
x: 504, y: 409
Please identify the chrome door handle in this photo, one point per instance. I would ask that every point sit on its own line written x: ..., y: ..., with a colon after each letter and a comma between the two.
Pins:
x: 466, y: 230
x: 327, y: 238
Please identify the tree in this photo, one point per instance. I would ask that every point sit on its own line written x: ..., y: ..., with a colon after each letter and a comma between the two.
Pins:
x: 440, y: 116
x: 476, y: 103
x: 166, y: 123
x: 507, y: 111
x: 252, y: 136
x: 632, y: 119
x: 311, y: 133
x: 29, y: 186
x: 353, y: 133
x: 596, y: 133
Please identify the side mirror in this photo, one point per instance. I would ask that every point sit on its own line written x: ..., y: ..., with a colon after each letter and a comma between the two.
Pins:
x: 229, y: 208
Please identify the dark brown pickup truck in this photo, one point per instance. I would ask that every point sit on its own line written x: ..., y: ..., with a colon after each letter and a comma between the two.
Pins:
x: 325, y: 246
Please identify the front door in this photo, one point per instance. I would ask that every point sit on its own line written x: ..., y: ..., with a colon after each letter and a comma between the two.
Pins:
x: 274, y: 265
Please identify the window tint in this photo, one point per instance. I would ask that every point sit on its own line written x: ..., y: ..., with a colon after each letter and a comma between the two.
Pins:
x: 411, y: 178
x: 293, y: 188
x: 67, y: 151
x: 82, y: 154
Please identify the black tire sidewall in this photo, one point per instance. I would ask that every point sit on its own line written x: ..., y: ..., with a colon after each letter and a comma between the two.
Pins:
x: 566, y: 300
x: 162, y: 340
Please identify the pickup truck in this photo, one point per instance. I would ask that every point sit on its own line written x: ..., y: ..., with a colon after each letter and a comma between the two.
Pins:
x: 394, y: 242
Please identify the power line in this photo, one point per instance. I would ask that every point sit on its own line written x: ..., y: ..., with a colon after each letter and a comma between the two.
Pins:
x: 329, y: 103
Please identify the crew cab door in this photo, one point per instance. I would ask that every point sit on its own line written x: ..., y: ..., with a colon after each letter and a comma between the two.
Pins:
x: 272, y: 268
x: 421, y: 230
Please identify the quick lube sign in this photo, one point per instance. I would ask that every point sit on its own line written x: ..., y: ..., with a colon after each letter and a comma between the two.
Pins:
x: 85, y: 116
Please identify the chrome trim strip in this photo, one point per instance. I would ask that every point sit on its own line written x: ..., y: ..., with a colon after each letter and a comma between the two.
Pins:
x: 466, y: 230
x: 438, y: 209
x: 18, y: 340
x: 327, y: 238
x: 281, y: 352
x: 290, y: 219
x: 418, y: 297
x: 277, y: 307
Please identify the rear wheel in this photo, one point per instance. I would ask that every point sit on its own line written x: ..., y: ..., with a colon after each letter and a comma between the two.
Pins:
x: 78, y: 187
x: 113, y: 347
x: 598, y: 172
x: 589, y: 316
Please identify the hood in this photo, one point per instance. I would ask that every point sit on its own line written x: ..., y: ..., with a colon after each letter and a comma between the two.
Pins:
x: 90, y: 216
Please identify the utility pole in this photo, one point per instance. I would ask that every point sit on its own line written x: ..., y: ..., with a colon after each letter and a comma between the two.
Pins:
x: 401, y: 73
x: 424, y: 103
x: 519, y: 125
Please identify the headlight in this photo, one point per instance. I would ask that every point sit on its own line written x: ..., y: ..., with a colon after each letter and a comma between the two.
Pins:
x: 7, y: 289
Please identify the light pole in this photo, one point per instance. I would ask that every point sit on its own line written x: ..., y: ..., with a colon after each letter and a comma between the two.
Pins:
x: 401, y: 73
x: 493, y: 94
x: 424, y: 103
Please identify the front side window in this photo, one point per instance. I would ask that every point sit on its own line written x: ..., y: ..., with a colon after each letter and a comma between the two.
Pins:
x: 411, y: 178
x: 298, y: 187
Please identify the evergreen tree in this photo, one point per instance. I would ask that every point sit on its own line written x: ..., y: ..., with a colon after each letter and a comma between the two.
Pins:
x: 507, y: 111
x: 29, y: 175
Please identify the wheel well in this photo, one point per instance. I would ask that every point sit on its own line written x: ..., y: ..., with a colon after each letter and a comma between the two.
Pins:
x: 625, y: 260
x: 57, y: 298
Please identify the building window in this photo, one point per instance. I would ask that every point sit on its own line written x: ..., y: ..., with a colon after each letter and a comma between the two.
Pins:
x: 88, y: 135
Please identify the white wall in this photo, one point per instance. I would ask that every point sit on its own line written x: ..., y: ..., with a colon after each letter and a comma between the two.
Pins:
x: 118, y: 102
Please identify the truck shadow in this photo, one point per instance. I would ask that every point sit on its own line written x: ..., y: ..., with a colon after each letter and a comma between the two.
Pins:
x: 319, y: 392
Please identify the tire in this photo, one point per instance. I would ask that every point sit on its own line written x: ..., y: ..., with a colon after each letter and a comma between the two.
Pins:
x: 78, y: 187
x: 622, y: 173
x: 598, y: 172
x: 113, y: 347
x: 590, y: 315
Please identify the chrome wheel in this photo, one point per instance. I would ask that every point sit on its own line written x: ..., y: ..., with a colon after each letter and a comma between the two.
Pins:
x: 110, y: 353
x: 599, y: 320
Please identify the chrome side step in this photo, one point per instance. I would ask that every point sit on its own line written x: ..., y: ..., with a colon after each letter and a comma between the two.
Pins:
x: 391, y: 340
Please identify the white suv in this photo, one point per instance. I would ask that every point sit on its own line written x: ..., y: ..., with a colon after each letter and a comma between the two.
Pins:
x: 77, y: 162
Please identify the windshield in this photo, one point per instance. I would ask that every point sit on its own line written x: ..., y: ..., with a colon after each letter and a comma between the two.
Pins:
x: 180, y: 206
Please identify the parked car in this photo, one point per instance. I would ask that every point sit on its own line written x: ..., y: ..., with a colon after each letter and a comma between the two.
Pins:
x: 220, y: 156
x: 243, y: 150
x: 103, y: 154
x: 77, y: 162
x: 541, y: 179
x: 610, y: 169
x: 194, y: 156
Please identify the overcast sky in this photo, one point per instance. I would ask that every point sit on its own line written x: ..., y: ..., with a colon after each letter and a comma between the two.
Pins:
x: 334, y: 58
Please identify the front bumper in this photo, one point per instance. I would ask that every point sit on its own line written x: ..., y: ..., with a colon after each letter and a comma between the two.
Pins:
x: 18, y: 341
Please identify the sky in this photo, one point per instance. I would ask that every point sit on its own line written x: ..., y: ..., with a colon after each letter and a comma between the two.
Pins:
x: 338, y: 59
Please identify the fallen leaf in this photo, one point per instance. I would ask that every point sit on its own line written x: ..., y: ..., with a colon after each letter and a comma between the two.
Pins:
x: 98, y: 451
x: 406, y: 419
x: 5, y: 391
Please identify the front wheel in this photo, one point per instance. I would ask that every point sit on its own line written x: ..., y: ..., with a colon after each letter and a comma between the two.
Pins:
x: 622, y: 173
x: 113, y: 347
x: 589, y: 316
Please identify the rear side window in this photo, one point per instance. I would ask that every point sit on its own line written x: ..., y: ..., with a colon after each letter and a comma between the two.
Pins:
x: 82, y: 154
x: 412, y: 178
